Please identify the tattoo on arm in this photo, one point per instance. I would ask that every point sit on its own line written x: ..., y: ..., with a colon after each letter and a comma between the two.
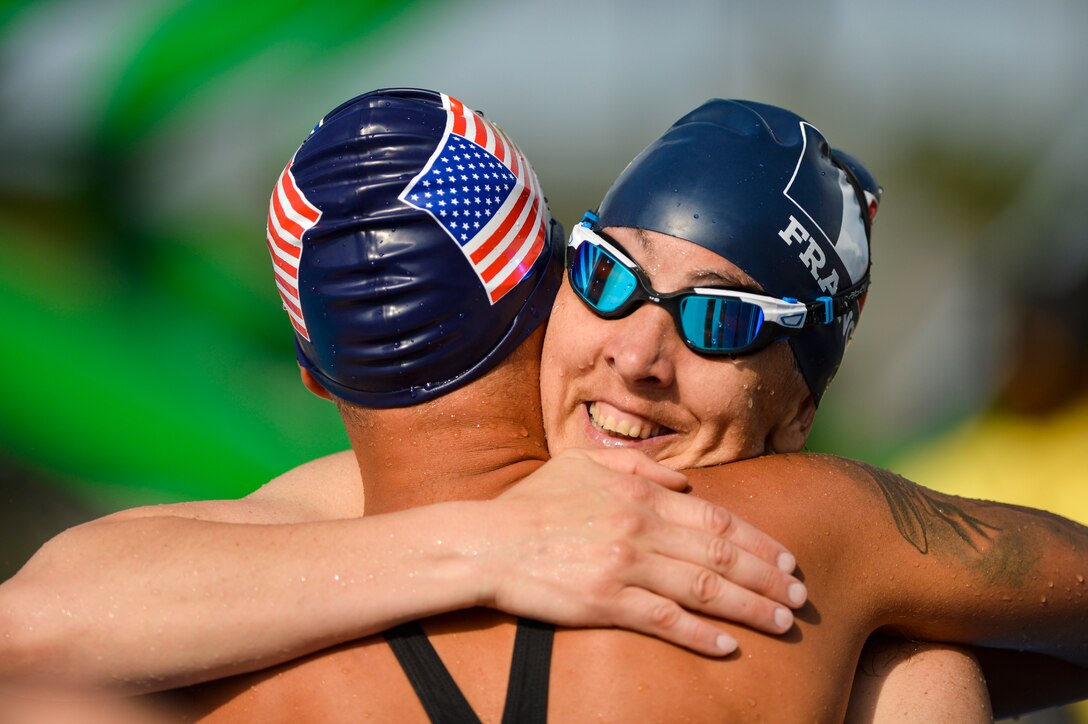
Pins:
x: 917, y: 511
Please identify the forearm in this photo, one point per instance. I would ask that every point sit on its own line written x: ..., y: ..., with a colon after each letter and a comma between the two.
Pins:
x: 162, y: 597
x: 151, y: 603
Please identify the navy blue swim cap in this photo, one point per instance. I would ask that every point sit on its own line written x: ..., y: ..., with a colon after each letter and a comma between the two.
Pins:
x: 412, y: 246
x: 760, y: 186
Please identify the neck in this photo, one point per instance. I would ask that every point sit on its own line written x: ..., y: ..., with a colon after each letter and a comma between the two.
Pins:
x: 449, y: 457
x: 470, y: 444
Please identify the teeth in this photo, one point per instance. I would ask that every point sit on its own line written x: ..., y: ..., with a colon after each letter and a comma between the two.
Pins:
x: 622, y: 427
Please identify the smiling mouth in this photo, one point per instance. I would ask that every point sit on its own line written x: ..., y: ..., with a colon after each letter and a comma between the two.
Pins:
x: 626, y: 427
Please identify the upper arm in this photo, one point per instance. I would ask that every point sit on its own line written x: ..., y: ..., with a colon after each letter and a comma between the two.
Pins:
x: 322, y: 489
x: 972, y: 571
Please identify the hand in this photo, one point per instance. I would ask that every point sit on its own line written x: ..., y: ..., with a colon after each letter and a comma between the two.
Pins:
x: 605, y: 538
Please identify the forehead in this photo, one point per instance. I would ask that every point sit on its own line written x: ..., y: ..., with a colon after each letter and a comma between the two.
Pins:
x: 672, y: 262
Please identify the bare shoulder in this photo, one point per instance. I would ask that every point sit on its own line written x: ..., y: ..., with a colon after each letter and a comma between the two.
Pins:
x: 796, y: 476
x: 323, y: 489
x: 326, y: 488
x: 849, y: 495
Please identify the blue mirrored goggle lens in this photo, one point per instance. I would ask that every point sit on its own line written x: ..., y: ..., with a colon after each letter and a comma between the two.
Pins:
x: 600, y: 279
x: 708, y: 323
x: 714, y: 323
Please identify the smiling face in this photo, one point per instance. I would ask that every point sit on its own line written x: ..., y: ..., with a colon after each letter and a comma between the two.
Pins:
x: 632, y: 382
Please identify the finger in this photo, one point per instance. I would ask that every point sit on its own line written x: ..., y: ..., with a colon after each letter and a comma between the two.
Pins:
x: 633, y: 462
x: 639, y: 610
x: 697, y: 588
x: 674, y: 546
x: 692, y: 512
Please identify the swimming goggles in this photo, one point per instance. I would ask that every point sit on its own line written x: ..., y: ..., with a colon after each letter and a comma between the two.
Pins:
x: 711, y: 321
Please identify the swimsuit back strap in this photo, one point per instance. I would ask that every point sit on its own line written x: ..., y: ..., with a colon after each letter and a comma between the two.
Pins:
x: 436, y: 689
x: 527, y: 692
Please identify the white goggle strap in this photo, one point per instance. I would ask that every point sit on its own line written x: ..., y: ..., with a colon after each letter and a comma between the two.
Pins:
x: 580, y: 234
x: 779, y: 311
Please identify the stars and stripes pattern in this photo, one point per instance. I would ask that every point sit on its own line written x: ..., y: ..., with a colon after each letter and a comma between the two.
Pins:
x: 480, y: 189
x: 290, y: 215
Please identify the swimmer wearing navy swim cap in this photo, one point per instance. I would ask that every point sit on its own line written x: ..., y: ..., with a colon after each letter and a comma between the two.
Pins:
x: 760, y: 186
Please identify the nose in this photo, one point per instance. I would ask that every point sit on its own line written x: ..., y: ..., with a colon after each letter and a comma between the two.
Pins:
x: 641, y: 347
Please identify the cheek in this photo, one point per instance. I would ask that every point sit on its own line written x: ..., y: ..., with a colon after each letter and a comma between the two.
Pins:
x: 571, y: 342
x: 724, y: 395
x: 559, y: 355
x: 572, y: 346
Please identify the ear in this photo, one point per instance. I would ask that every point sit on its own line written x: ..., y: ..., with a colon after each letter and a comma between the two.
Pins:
x: 313, y: 385
x: 791, y: 434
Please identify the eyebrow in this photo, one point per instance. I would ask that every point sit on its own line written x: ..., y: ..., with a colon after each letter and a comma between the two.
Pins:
x: 715, y: 278
x: 709, y: 277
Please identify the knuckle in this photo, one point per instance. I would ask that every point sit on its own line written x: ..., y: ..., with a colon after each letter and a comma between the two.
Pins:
x: 719, y: 520
x: 622, y: 554
x: 705, y: 586
x: 722, y: 554
x: 632, y: 488
x: 666, y: 614
x: 628, y: 522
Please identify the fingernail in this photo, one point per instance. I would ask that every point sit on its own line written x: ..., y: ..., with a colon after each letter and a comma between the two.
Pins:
x: 783, y: 618
x: 726, y: 644
x: 786, y: 562
x: 797, y: 593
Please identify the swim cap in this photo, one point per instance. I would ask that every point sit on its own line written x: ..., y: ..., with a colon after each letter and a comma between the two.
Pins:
x: 412, y: 247
x: 760, y: 186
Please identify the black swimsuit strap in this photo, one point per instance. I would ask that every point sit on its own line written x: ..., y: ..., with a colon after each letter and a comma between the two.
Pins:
x: 526, y: 693
x: 436, y: 689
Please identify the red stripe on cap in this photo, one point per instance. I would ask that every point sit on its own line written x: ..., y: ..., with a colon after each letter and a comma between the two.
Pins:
x: 518, y: 272
x: 286, y: 222
x: 458, y: 111
x: 512, y: 248
x: 299, y: 205
x: 291, y: 271
x: 299, y: 328
x: 515, y: 153
x: 287, y: 246
x: 289, y: 304
x: 500, y: 147
x: 504, y: 228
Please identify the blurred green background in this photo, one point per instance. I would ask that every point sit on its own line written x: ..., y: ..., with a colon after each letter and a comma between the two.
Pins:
x: 145, y: 356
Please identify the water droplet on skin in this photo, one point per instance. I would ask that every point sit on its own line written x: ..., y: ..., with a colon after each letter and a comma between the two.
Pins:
x: 696, y: 216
